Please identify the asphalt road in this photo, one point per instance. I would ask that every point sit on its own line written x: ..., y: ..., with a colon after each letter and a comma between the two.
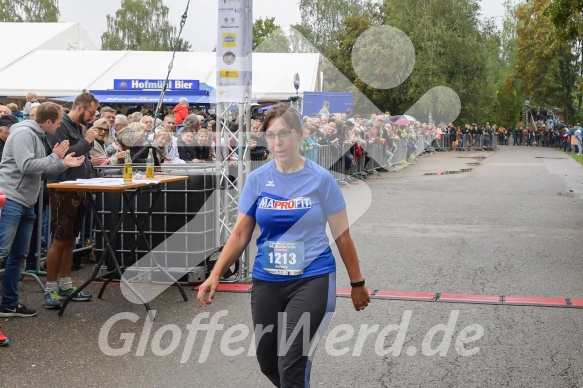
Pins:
x: 510, y: 226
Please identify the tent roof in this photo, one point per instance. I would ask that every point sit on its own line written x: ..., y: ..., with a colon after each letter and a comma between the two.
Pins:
x: 154, y: 65
x: 52, y: 73
x: 273, y: 74
x: 45, y: 36
x: 57, y: 73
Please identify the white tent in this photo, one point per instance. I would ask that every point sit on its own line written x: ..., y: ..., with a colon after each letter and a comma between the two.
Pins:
x: 57, y: 73
x: 41, y: 36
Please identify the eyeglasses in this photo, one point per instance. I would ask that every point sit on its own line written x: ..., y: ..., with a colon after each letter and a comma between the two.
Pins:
x: 100, y: 129
x: 93, y: 112
x: 283, y: 134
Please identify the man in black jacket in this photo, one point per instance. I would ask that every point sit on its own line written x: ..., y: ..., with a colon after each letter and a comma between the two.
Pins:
x: 68, y: 208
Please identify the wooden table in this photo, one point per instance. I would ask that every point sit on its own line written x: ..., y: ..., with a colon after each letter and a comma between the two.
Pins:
x: 128, y: 192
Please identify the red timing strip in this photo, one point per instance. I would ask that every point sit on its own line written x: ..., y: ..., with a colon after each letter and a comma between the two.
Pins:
x: 576, y: 302
x: 534, y: 301
x: 405, y: 295
x: 467, y: 298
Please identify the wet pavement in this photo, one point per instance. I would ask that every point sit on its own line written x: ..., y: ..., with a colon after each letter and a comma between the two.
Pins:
x: 509, y: 227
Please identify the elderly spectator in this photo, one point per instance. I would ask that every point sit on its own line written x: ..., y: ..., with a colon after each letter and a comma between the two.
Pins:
x: 133, y: 138
x: 192, y: 121
x: 181, y: 110
x: 6, y: 122
x: 148, y: 122
x: 136, y: 117
x: 4, y: 110
x: 99, y: 153
x: 32, y: 113
x: 121, y: 121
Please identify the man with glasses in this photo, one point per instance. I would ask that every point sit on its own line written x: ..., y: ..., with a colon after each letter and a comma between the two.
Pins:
x: 68, y: 208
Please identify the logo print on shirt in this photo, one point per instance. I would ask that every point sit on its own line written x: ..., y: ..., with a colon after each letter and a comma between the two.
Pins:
x: 293, y: 204
x: 270, y: 184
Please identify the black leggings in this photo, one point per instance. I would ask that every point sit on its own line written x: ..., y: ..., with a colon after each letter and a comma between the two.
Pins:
x: 289, y: 364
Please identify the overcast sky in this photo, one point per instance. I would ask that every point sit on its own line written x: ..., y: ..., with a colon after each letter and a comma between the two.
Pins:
x: 202, y: 16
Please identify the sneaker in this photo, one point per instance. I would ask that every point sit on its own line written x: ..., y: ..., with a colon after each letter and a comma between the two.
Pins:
x: 4, y: 341
x: 80, y: 297
x: 19, y: 310
x: 52, y: 300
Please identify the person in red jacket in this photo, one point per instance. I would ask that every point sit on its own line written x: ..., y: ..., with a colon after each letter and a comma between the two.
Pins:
x: 181, y: 110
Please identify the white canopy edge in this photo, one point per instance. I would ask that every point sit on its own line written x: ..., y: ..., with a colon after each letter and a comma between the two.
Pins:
x: 58, y: 73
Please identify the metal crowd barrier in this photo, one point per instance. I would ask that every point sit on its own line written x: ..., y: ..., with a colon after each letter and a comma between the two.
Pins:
x: 179, y: 244
x: 182, y: 229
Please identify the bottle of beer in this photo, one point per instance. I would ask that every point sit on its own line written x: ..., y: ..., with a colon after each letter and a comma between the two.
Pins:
x: 127, y: 167
x: 150, y: 165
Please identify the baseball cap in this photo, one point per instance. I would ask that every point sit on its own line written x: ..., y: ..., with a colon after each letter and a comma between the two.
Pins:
x: 8, y: 120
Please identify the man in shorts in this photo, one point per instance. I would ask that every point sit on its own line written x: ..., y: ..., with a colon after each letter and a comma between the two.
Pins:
x: 68, y: 207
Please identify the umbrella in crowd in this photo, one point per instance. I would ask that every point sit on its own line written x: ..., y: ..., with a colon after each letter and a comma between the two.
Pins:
x: 402, y: 119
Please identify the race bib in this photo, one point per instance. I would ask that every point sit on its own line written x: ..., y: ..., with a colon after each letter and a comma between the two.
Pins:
x: 283, y: 258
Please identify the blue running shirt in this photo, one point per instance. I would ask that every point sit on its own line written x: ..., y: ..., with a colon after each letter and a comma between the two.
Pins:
x: 293, y: 208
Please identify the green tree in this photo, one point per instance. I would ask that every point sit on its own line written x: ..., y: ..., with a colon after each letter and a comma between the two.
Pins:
x: 452, y: 49
x: 323, y: 19
x: 298, y: 42
x: 508, y: 105
x: 567, y: 17
x: 268, y: 37
x: 547, y: 66
x: 142, y: 25
x: 30, y: 11
x: 340, y: 74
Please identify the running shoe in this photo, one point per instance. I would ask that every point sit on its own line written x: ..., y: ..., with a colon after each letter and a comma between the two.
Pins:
x: 52, y: 300
x: 4, y: 341
x: 80, y: 297
x: 19, y: 310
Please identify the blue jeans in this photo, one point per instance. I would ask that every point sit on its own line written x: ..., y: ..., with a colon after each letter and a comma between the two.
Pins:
x: 16, y: 225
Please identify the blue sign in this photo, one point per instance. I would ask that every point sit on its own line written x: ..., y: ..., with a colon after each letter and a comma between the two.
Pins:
x: 155, y: 84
